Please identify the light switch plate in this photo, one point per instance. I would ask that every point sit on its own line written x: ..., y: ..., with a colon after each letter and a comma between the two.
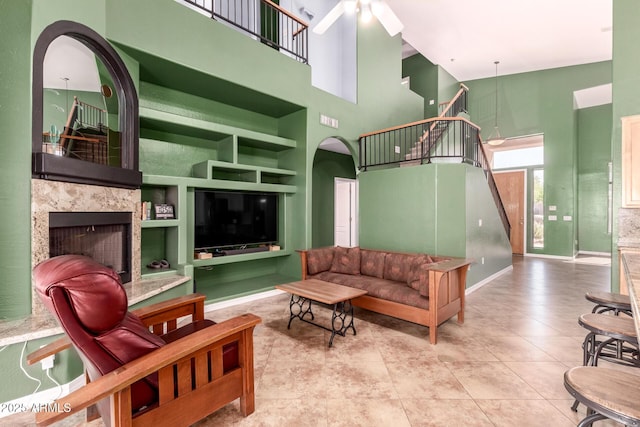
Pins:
x: 553, y: 217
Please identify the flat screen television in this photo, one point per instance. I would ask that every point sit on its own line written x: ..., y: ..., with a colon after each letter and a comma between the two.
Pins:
x: 232, y: 219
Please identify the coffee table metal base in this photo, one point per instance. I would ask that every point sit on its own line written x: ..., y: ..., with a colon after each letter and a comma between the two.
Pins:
x: 341, y: 319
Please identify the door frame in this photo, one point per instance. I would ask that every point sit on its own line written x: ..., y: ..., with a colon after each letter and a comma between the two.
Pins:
x: 525, y: 229
x: 353, y: 201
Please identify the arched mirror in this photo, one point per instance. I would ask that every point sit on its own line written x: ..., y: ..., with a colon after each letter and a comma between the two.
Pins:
x: 79, y: 109
x: 85, y: 110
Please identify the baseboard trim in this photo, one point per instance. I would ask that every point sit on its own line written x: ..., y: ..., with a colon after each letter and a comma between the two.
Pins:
x: 241, y: 300
x: 605, y: 254
x: 487, y: 280
x: 564, y: 258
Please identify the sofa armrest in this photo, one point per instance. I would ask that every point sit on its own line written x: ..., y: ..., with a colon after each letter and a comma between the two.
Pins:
x: 451, y: 264
x: 303, y: 262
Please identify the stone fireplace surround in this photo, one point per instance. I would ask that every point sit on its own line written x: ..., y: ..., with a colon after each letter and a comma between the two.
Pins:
x: 55, y: 196
x: 48, y: 196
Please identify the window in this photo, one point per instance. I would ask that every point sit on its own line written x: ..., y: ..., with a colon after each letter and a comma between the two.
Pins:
x: 538, y: 208
x: 507, y: 159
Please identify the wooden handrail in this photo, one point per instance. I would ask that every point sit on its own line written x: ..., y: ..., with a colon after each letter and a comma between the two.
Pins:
x: 419, y: 122
x: 286, y: 12
x: 78, y: 138
x: 462, y: 89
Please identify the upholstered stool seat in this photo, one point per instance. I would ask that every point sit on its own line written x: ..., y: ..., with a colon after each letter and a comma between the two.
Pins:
x: 607, y: 302
x: 607, y: 393
x: 610, y: 338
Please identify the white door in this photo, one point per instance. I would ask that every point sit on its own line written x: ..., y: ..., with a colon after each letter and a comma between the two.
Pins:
x: 345, y: 212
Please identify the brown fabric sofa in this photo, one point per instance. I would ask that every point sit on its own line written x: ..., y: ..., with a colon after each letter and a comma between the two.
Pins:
x: 419, y: 288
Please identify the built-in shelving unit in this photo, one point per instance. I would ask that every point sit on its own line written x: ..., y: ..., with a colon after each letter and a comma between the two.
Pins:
x: 239, y: 159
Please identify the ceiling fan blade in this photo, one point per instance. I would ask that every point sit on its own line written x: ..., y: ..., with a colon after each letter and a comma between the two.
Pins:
x: 330, y: 18
x: 387, y: 18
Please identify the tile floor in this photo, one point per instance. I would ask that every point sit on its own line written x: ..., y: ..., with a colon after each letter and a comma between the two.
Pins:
x: 503, y: 367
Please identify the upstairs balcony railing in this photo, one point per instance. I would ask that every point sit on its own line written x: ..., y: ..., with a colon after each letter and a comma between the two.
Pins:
x: 262, y: 19
x: 442, y: 139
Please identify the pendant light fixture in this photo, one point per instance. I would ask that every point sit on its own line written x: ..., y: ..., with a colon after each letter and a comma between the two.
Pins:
x: 495, y: 138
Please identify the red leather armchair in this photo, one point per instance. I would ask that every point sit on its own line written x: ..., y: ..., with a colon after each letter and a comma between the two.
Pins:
x: 141, y: 368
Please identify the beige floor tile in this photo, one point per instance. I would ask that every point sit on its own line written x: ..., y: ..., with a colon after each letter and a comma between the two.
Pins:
x: 563, y: 348
x: 445, y: 413
x: 523, y: 413
x: 427, y: 380
x: 271, y: 412
x: 491, y: 380
x: 564, y: 406
x: 366, y: 413
x: 292, y: 380
x: 516, y: 349
x: 368, y: 380
x: 547, y: 378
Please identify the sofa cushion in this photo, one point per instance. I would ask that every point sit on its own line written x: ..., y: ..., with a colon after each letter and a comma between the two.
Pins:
x: 319, y: 260
x: 372, y: 263
x: 413, y: 280
x: 379, y: 288
x: 346, y: 260
x: 397, y: 266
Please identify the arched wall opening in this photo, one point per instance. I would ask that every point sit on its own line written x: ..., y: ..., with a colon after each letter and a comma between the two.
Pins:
x: 332, y: 160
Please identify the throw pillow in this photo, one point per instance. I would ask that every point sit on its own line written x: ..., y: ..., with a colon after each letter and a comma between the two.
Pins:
x: 396, y: 266
x: 346, y: 260
x: 319, y: 260
x: 415, y: 271
x: 372, y: 263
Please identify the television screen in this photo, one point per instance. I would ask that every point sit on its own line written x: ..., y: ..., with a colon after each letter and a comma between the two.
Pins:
x: 226, y: 218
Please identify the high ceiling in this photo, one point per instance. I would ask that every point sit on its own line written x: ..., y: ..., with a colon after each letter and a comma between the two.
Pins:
x: 465, y: 37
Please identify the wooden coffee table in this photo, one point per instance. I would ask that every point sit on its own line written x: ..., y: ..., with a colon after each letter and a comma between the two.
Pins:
x: 304, y: 292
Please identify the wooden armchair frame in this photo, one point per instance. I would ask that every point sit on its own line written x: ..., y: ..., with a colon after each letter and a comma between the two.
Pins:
x: 191, y: 380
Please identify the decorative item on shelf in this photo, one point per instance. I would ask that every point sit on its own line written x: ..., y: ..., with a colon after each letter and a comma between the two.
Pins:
x: 164, y: 211
x: 146, y: 211
x: 273, y: 248
x: 202, y: 255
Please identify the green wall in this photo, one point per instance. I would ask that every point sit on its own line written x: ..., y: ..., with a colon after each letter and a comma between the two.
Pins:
x: 626, y: 93
x: 423, y: 81
x: 542, y: 102
x: 594, y: 155
x: 448, y: 86
x: 435, y: 209
x: 15, y: 159
x: 327, y: 165
x: 430, y: 81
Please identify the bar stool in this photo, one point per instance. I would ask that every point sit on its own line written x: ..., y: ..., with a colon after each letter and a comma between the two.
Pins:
x: 607, y: 301
x: 607, y: 393
x: 618, y: 342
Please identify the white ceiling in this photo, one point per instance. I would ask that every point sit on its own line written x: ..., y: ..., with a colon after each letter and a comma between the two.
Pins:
x: 465, y: 37
x: 70, y: 64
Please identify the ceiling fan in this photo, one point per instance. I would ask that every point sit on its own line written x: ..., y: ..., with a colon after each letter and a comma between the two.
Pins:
x: 367, y: 9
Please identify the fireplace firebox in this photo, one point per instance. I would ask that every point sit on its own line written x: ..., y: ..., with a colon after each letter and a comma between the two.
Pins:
x: 103, y: 236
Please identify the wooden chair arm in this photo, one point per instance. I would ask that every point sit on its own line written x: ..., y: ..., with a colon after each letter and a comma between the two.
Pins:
x: 187, y: 305
x: 54, y: 347
x: 138, y: 369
